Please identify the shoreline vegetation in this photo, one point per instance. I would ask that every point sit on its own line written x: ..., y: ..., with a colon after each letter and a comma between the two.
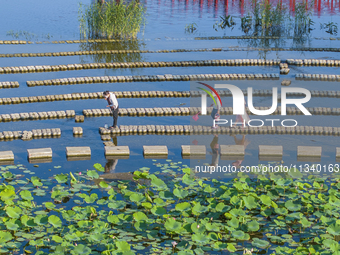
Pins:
x: 168, y: 210
x: 111, y: 19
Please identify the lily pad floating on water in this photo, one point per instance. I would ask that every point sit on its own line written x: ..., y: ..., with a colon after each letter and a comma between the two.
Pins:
x: 99, y: 167
x: 260, y: 243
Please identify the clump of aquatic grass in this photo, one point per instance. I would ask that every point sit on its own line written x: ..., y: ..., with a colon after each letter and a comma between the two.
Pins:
x: 332, y: 28
x: 268, y: 19
x: 302, y: 21
x: 111, y: 19
x: 22, y: 34
x: 190, y: 28
x: 225, y: 21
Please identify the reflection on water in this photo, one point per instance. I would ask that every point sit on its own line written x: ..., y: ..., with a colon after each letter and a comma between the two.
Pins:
x: 130, y: 45
x: 235, y: 7
x: 111, y: 165
x: 215, y: 151
x: 243, y: 141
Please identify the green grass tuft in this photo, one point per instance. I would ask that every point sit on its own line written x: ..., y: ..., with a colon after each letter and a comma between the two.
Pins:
x: 111, y: 19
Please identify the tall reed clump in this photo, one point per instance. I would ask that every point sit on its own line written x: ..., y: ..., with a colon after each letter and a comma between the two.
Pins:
x: 111, y: 19
x: 269, y: 20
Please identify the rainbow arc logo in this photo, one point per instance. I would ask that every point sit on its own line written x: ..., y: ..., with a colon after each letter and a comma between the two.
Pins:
x: 209, y: 93
x: 195, y: 117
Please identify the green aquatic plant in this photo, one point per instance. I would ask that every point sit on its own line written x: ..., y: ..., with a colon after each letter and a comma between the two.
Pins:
x: 332, y: 28
x: 190, y: 28
x: 22, y: 34
x: 246, y: 24
x: 225, y: 21
x: 111, y: 19
x: 168, y: 209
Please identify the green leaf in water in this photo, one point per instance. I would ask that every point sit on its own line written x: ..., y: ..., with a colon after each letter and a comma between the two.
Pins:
x: 92, y: 174
x: 259, y: 243
x: 13, y: 212
x: 99, y: 167
x: 61, y: 178
x: 181, y: 193
x: 55, y: 221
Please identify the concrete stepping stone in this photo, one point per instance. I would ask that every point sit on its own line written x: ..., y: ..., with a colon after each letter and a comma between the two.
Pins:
x: 232, y: 152
x: 155, y: 151
x: 309, y: 153
x: 79, y: 118
x: 77, y: 131
x: 117, y: 152
x: 6, y: 156
x: 269, y: 150
x: 337, y: 154
x: 39, y: 153
x: 106, y: 138
x: 194, y: 151
x: 78, y: 151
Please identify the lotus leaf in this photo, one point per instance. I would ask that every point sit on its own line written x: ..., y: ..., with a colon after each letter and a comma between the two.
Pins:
x: 281, y: 211
x: 291, y: 206
x: 234, y: 223
x: 138, y: 216
x: 99, y: 167
x: 200, y: 238
x: 13, y: 212
x: 231, y: 247
x: 158, y: 210
x: 61, y: 178
x: 159, y: 184
x: 238, y: 234
x: 266, y: 200
x: 188, y: 180
x: 181, y: 193
x: 186, y: 252
x: 198, y: 209
x: 55, y: 221
x: 11, y: 225
x: 91, y: 199
x: 41, y: 219
x: 253, y: 226
x: 123, y: 246
x: 117, y: 205
x: 137, y: 197
x: 197, y: 228
x: 185, y: 206
x: 7, y: 195
x: 250, y: 202
x: 334, y: 229
x: 92, y: 174
x: 172, y: 225
x: 103, y: 185
x: 81, y: 249
x: 260, y: 243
